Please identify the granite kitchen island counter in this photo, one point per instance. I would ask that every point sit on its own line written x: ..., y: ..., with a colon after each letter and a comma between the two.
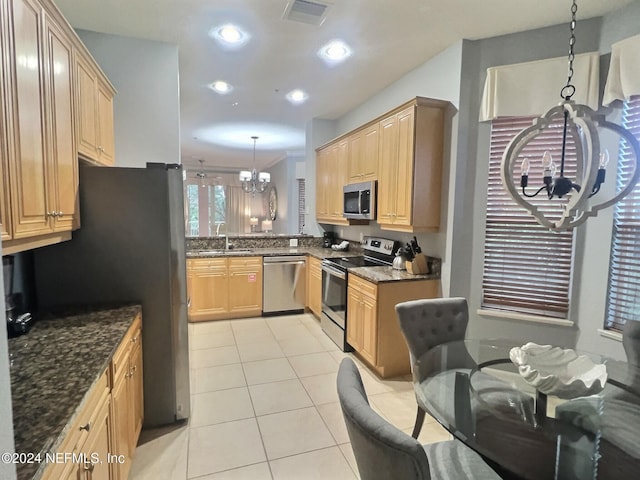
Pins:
x: 52, y: 369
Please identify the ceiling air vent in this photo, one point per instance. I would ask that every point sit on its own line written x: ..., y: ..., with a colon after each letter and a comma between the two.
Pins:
x: 306, y: 11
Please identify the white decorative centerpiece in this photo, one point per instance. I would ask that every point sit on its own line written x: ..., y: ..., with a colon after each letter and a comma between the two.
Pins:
x: 557, y: 371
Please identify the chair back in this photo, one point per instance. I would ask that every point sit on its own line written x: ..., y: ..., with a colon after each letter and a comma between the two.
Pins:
x: 427, y: 323
x: 631, y: 341
x: 381, y: 450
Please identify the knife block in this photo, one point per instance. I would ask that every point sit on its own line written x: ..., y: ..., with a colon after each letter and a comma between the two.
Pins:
x: 419, y: 265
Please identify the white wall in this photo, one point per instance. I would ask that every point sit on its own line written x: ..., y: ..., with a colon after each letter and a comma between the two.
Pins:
x: 7, y: 470
x: 147, y: 105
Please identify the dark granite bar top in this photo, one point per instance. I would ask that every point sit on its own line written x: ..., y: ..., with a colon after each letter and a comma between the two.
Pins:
x: 53, y: 367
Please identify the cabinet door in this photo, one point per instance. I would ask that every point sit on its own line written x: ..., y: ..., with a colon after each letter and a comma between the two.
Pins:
x: 120, y: 407
x: 354, y: 165
x: 315, y: 286
x: 5, y: 205
x: 63, y: 171
x: 208, y: 289
x: 369, y: 153
x: 87, y: 114
x: 387, y: 169
x: 339, y: 179
x: 98, y: 446
x: 136, y: 394
x: 369, y: 347
x: 106, y: 146
x: 355, y: 319
x: 28, y: 164
x: 322, y: 184
x: 404, y: 167
x: 245, y: 287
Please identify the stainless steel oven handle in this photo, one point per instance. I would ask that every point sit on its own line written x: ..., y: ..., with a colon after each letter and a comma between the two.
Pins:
x: 333, y: 271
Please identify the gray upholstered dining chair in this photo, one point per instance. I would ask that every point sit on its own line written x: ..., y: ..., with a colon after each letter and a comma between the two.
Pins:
x: 427, y: 323
x: 384, y: 452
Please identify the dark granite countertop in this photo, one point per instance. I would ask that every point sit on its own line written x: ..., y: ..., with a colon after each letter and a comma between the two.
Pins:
x: 372, y: 274
x: 52, y: 369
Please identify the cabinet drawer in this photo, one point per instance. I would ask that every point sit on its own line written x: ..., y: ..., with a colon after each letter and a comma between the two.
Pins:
x: 245, y: 262
x: 362, y: 286
x: 120, y: 361
x: 85, y: 420
x: 206, y: 263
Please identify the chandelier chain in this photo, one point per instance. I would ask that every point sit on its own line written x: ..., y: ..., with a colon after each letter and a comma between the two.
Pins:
x: 569, y: 89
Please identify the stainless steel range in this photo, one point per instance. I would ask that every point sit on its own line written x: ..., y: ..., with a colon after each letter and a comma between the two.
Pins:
x: 335, y: 278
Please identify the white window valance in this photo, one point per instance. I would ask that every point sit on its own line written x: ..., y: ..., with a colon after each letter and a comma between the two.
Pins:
x: 623, y: 79
x: 532, y: 88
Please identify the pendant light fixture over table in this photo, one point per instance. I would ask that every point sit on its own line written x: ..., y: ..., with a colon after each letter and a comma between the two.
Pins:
x: 579, y: 123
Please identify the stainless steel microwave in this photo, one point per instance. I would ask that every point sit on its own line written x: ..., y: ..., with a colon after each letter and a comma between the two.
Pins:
x: 360, y: 200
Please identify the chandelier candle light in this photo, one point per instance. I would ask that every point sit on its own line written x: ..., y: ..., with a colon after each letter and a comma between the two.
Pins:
x: 252, y: 181
x: 580, y: 122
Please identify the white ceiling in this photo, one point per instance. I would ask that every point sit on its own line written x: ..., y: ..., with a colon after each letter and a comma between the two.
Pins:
x: 388, y: 37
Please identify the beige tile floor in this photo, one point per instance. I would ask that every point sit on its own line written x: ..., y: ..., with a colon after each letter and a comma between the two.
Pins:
x: 264, y: 406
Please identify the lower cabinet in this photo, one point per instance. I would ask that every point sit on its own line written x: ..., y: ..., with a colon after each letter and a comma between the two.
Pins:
x: 102, y: 439
x: 127, y: 399
x: 372, y: 328
x: 228, y: 287
x: 314, y: 285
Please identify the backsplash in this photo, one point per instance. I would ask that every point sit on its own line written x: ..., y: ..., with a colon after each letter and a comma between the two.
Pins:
x: 252, y: 241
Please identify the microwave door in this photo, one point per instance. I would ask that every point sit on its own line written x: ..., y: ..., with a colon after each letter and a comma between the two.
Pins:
x: 352, y: 203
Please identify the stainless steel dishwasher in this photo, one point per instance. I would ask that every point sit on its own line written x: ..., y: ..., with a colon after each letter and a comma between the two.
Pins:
x: 284, y: 284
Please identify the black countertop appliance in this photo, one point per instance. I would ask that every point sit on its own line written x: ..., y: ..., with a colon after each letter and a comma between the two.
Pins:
x: 18, y: 322
x: 329, y: 239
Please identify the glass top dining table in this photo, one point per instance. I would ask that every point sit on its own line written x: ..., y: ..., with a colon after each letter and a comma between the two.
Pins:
x: 473, y: 389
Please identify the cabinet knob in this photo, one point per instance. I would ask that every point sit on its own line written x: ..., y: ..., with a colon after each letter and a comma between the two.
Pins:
x: 88, y: 467
x: 60, y: 214
x: 134, y: 339
x: 86, y: 427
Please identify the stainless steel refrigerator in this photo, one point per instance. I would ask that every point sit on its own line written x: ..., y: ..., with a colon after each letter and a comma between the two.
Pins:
x: 131, y: 248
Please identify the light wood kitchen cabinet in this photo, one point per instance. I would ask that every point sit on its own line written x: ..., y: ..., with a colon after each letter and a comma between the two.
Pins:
x: 95, y: 113
x: 127, y: 406
x: 245, y: 286
x: 362, y: 164
x: 331, y: 171
x: 220, y: 288
x: 372, y: 326
x: 85, y: 432
x: 42, y: 162
x: 5, y: 205
x: 363, y: 321
x: 410, y: 166
x: 314, y: 285
x: 208, y: 288
x: 39, y: 164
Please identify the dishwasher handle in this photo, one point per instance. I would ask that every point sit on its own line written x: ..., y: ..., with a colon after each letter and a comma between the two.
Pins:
x: 284, y: 260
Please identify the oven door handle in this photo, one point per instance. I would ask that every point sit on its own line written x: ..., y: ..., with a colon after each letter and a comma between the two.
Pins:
x: 333, y: 271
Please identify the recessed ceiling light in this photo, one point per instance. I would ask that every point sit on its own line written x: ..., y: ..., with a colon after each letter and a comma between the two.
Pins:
x: 334, y: 52
x: 297, y: 96
x: 230, y: 35
x: 221, y: 87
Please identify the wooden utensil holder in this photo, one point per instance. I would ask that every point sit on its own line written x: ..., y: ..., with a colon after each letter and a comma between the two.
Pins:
x: 419, y: 265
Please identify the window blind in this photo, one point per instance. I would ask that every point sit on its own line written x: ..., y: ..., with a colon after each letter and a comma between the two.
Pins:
x: 527, y: 268
x: 301, y: 204
x: 623, y: 298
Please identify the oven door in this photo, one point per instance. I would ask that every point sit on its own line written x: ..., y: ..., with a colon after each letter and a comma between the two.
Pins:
x: 334, y: 294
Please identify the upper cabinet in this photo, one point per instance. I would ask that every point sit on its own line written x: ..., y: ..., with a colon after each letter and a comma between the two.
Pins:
x: 403, y: 151
x: 95, y: 113
x: 362, y: 164
x: 410, y: 166
x: 331, y: 171
x: 38, y: 121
